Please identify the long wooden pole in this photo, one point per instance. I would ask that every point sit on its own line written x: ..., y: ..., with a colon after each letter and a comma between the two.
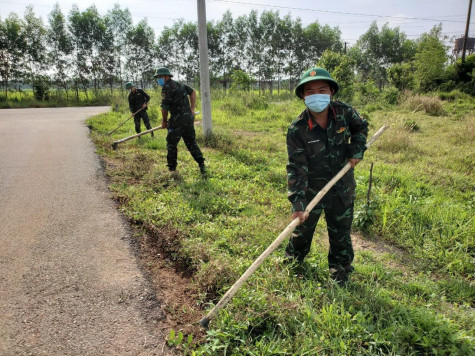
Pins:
x: 115, y: 143
x: 131, y: 116
x: 288, y: 230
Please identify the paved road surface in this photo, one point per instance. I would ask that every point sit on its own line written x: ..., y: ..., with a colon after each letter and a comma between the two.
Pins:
x: 69, y: 282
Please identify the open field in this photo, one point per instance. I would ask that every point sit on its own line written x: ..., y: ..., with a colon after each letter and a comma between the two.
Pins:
x: 413, y: 289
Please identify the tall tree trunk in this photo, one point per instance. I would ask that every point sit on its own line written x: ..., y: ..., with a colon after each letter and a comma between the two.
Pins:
x: 85, y: 90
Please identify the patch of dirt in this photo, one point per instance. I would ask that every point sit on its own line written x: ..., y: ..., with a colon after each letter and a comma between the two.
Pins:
x: 171, y: 278
x: 361, y: 244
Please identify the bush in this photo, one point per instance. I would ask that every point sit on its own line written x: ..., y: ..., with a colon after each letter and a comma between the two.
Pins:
x: 367, y: 93
x: 402, y: 76
x: 452, y: 95
x: 41, y: 87
x: 391, y: 95
x: 431, y: 105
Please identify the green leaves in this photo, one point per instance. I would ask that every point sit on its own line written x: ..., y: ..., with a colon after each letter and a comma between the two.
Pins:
x: 177, y: 340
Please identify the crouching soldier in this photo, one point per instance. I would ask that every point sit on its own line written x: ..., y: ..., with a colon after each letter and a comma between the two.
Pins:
x: 138, y: 99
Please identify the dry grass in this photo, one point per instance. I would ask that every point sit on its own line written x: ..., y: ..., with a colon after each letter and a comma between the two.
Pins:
x: 399, y: 141
x: 431, y: 105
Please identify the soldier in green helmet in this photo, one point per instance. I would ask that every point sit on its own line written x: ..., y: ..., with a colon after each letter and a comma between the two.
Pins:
x: 180, y: 101
x: 320, y: 141
x: 138, y: 100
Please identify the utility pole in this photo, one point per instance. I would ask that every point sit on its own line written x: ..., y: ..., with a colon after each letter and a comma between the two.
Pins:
x: 204, y: 70
x: 466, y: 32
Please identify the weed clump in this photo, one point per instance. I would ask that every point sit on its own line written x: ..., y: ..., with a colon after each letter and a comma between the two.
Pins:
x: 431, y: 105
x: 411, y: 126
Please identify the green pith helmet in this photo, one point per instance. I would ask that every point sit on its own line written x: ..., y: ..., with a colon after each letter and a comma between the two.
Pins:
x: 128, y: 85
x: 162, y: 71
x: 316, y: 73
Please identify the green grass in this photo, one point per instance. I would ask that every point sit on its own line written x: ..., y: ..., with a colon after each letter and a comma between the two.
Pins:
x: 417, y: 300
x: 57, y: 98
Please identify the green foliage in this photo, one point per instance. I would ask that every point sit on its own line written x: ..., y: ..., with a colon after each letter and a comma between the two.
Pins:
x: 391, y: 95
x: 411, y: 125
x: 240, y: 81
x: 402, y: 76
x: 341, y: 68
x: 366, y: 216
x: 367, y: 93
x: 377, y: 50
x: 41, y: 88
x: 178, y: 340
x: 430, y: 59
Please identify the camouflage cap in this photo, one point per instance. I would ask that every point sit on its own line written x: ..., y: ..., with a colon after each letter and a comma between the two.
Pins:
x: 316, y: 73
x: 162, y: 71
x: 128, y: 85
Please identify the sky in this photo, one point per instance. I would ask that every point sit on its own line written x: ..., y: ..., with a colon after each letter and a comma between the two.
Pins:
x: 353, y: 17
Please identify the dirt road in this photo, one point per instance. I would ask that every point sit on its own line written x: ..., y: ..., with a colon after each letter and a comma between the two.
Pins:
x: 69, y: 281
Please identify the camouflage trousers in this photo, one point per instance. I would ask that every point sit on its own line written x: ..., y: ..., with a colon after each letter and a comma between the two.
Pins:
x: 144, y: 116
x: 338, y: 216
x: 187, y: 131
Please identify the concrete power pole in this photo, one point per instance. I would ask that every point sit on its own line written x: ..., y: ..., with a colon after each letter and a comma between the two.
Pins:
x: 466, y: 32
x: 204, y: 70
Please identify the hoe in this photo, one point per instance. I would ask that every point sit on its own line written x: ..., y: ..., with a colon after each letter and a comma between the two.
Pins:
x: 288, y: 230
x: 131, y: 116
x: 116, y: 143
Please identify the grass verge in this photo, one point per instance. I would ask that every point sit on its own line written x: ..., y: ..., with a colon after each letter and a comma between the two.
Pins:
x: 417, y: 300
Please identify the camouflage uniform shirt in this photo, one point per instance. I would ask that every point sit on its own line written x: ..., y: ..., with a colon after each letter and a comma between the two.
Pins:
x: 137, y: 99
x: 317, y: 155
x: 175, y: 100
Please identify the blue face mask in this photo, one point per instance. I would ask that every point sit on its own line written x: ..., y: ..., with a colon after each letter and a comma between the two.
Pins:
x: 317, y: 102
x: 161, y: 82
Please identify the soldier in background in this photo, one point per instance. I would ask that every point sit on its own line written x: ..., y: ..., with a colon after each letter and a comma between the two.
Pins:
x: 323, y: 138
x: 138, y: 99
x: 180, y: 100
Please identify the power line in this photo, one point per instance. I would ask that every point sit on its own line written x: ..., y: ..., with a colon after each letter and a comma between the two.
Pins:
x: 336, y: 12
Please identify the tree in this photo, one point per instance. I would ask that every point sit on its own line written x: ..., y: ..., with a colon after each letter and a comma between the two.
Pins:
x: 296, y: 54
x: 240, y: 81
x: 269, y: 22
x: 402, y: 76
x: 226, y: 51
x: 61, y: 47
x: 87, y: 29
x: 283, y: 46
x: 318, y: 39
x: 35, y: 40
x: 119, y: 22
x: 12, y: 50
x: 375, y: 51
x: 141, y: 45
x: 430, y: 59
x: 108, y: 60
x: 341, y: 67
